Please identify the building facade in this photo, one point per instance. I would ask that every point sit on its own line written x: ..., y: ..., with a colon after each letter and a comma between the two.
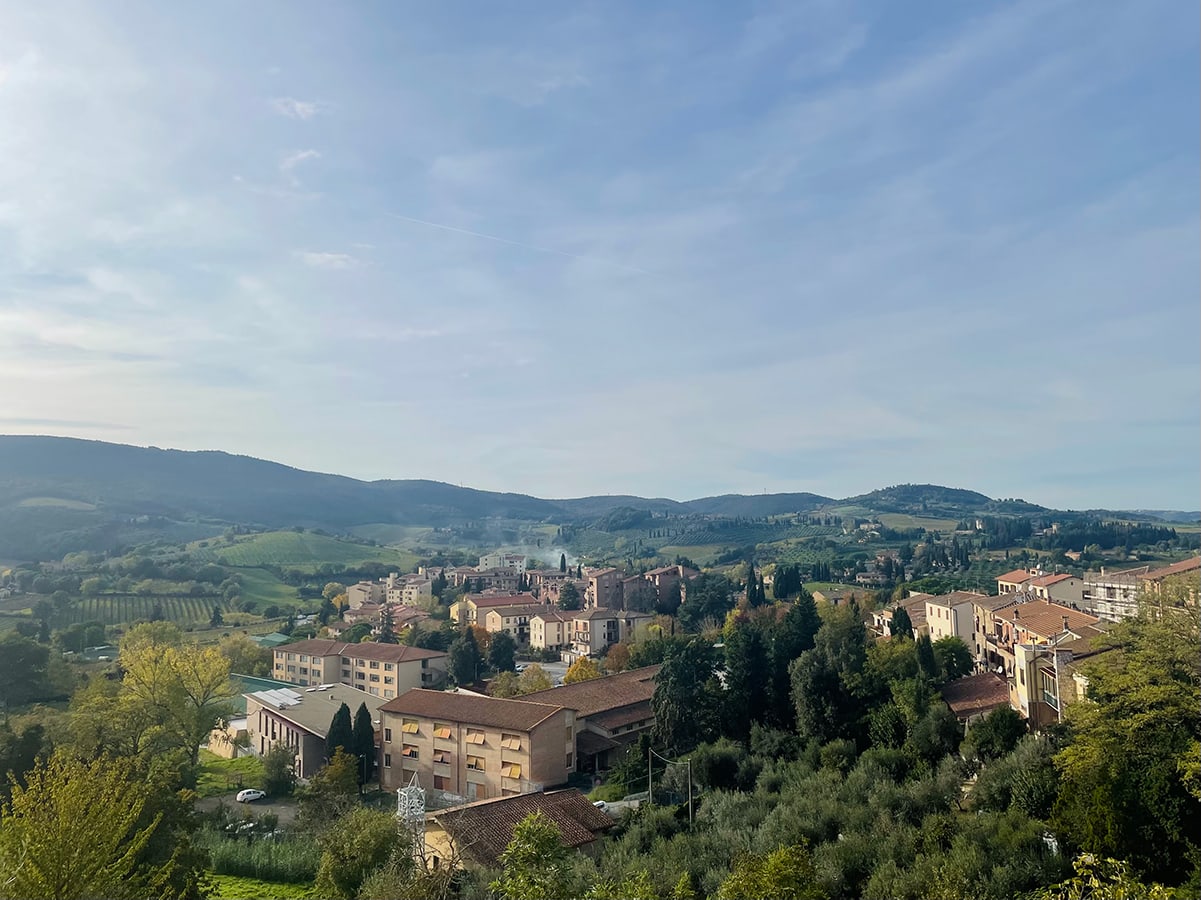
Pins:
x: 380, y: 670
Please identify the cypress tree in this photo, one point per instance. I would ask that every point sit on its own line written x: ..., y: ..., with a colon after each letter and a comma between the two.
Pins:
x: 340, y: 734
x: 363, y: 742
x: 563, y: 562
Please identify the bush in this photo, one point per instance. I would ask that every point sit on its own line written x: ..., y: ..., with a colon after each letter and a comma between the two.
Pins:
x: 291, y: 860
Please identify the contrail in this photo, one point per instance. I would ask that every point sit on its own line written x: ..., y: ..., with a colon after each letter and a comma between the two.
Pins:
x: 501, y: 240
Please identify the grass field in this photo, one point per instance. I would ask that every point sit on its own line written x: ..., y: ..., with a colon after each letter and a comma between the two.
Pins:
x: 60, y: 502
x: 223, y: 776
x: 231, y: 887
x: 904, y: 520
x: 265, y: 589
x: 301, y: 550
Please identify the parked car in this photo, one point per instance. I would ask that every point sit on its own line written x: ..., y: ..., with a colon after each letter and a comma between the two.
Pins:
x: 250, y: 795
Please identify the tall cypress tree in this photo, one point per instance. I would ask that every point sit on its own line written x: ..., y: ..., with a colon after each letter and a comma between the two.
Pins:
x: 562, y: 562
x: 796, y: 633
x: 363, y: 743
x: 340, y: 734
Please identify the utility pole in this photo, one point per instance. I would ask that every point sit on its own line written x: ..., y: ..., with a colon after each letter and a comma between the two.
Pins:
x: 650, y: 771
x: 690, y: 792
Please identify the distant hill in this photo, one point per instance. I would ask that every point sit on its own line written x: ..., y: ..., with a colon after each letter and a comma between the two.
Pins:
x: 61, y: 494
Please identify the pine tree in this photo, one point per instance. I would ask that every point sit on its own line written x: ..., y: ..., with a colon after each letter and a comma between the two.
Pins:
x: 216, y: 620
x: 387, y: 632
x: 362, y: 740
x: 340, y: 734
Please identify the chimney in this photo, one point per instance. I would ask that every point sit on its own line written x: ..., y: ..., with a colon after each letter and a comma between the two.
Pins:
x: 1017, y: 612
x: 1065, y: 623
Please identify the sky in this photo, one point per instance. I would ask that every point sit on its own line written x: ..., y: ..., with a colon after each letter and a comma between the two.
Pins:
x: 672, y: 249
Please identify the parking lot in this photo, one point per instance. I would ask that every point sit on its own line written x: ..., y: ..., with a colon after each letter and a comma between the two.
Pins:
x: 556, y: 670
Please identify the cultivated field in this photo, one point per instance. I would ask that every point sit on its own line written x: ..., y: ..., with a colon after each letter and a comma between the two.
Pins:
x: 300, y: 550
x: 124, y: 608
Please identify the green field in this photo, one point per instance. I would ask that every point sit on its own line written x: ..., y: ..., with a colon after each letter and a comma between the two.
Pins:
x: 301, y: 550
x: 231, y: 887
x: 220, y: 776
x: 904, y: 520
x: 266, y: 590
x: 115, y: 610
x: 60, y: 502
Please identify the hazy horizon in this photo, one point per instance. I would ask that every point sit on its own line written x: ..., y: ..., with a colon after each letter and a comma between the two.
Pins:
x: 675, y: 251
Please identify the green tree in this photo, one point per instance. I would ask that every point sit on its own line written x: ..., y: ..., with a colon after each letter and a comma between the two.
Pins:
x: 786, y: 873
x: 24, y: 667
x: 569, y: 596
x: 795, y: 633
x: 74, y: 831
x: 356, y: 845
x: 747, y: 672
x: 953, y: 656
x: 332, y: 589
x: 279, y: 770
x: 1103, y: 879
x: 464, y: 658
x: 901, y: 626
x: 502, y: 652
x: 926, y: 661
x: 504, y: 685
x: 687, y: 698
x: 710, y: 596
x: 534, y: 678
x: 535, y: 864
x: 583, y: 669
x: 562, y: 562
x: 1125, y: 783
x: 340, y: 735
x: 387, y: 631
x: 332, y: 792
x: 216, y: 620
x: 996, y: 736
x: 363, y: 741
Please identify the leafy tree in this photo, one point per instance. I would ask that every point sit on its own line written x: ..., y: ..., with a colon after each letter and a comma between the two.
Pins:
x: 279, y: 770
x: 583, y: 669
x: 504, y: 685
x: 216, y: 620
x: 926, y: 661
x: 363, y: 741
x: 340, y: 735
x: 747, y: 673
x: 996, y: 736
x: 360, y: 843
x: 901, y: 626
x: 245, y: 656
x: 387, y: 631
x: 464, y: 658
x: 356, y: 633
x: 332, y: 792
x: 502, y: 652
x: 786, y: 873
x: 710, y: 596
x: 536, y: 865
x: 569, y: 596
x: 24, y: 666
x: 617, y: 658
x: 794, y: 634
x: 953, y: 656
x: 184, y: 691
x: 332, y: 589
x: 637, y: 886
x: 534, y: 678
x: 1126, y: 789
x: 1102, y: 879
x: 687, y: 698
x: 74, y: 831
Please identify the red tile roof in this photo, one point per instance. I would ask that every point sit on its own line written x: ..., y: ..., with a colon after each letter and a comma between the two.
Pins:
x: 472, y: 709
x: 394, y: 653
x: 1185, y: 565
x: 1048, y: 580
x: 1046, y: 619
x: 483, y: 829
x: 1017, y: 576
x: 588, y: 698
x: 975, y: 694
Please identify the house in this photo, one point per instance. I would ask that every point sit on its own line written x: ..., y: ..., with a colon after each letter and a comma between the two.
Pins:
x: 381, y: 670
x: 514, y: 562
x: 475, y: 747
x: 604, y: 586
x: 1115, y: 595
x: 233, y: 739
x: 1062, y: 588
x: 300, y: 720
x: 550, y: 629
x: 914, y: 605
x: 974, y: 697
x: 985, y: 642
x: 506, y: 580
x: 950, y: 615
x: 664, y: 578
x: 837, y: 596
x: 610, y: 711
x: 402, y: 616
x: 1048, y: 675
x: 593, y: 631
x: 1012, y: 582
x: 472, y: 608
x: 478, y: 833
x: 514, y: 620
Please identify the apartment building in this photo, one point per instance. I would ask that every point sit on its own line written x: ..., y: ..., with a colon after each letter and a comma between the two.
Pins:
x: 914, y: 605
x: 604, y: 587
x: 593, y: 631
x: 301, y: 720
x: 1012, y: 582
x: 475, y: 747
x: 1031, y: 624
x: 951, y: 615
x: 550, y: 630
x: 515, y: 562
x: 366, y: 592
x: 1114, y: 596
x: 985, y: 642
x: 472, y: 608
x: 513, y: 620
x: 380, y: 670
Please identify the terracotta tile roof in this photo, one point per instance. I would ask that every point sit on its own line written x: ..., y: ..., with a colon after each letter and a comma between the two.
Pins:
x: 394, y: 653
x: 626, y: 715
x: 588, y: 698
x: 553, y: 615
x: 483, y: 829
x: 955, y: 598
x: 484, y: 602
x: 1046, y: 619
x: 516, y: 610
x: 1017, y: 576
x: 975, y: 694
x: 992, y: 604
x: 472, y: 709
x: 1185, y: 565
x: 1048, y: 580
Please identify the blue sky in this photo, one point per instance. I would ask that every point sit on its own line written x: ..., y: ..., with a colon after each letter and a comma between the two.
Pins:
x: 666, y: 249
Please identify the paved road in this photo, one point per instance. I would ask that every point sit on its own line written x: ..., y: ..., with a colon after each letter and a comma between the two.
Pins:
x: 286, y: 810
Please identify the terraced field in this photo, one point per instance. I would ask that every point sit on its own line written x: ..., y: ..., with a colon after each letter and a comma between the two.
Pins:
x: 116, y: 610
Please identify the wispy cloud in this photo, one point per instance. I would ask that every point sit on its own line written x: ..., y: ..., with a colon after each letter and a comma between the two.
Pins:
x: 288, y: 165
x: 333, y: 261
x: 297, y: 109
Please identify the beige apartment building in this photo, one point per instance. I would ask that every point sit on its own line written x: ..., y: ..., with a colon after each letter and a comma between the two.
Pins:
x: 550, y: 630
x: 513, y: 620
x: 593, y: 631
x: 472, y: 609
x: 604, y: 588
x: 951, y: 615
x: 380, y: 670
x: 475, y: 747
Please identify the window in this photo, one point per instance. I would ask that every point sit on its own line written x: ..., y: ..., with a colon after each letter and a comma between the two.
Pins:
x: 346, y: 660
x: 388, y: 667
x: 510, y: 741
x: 291, y: 668
x: 304, y: 670
x: 570, y: 732
x: 304, y: 658
x: 442, y: 757
x: 475, y: 736
x: 408, y: 726
x: 375, y: 678
x: 441, y: 731
x: 387, y: 735
x: 569, y: 760
x: 475, y: 763
x: 375, y: 664
x: 510, y: 769
x: 291, y: 656
x: 388, y: 679
x: 359, y: 676
x: 346, y: 673
x: 374, y: 692
x: 409, y: 751
x: 387, y: 760
x: 441, y: 783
